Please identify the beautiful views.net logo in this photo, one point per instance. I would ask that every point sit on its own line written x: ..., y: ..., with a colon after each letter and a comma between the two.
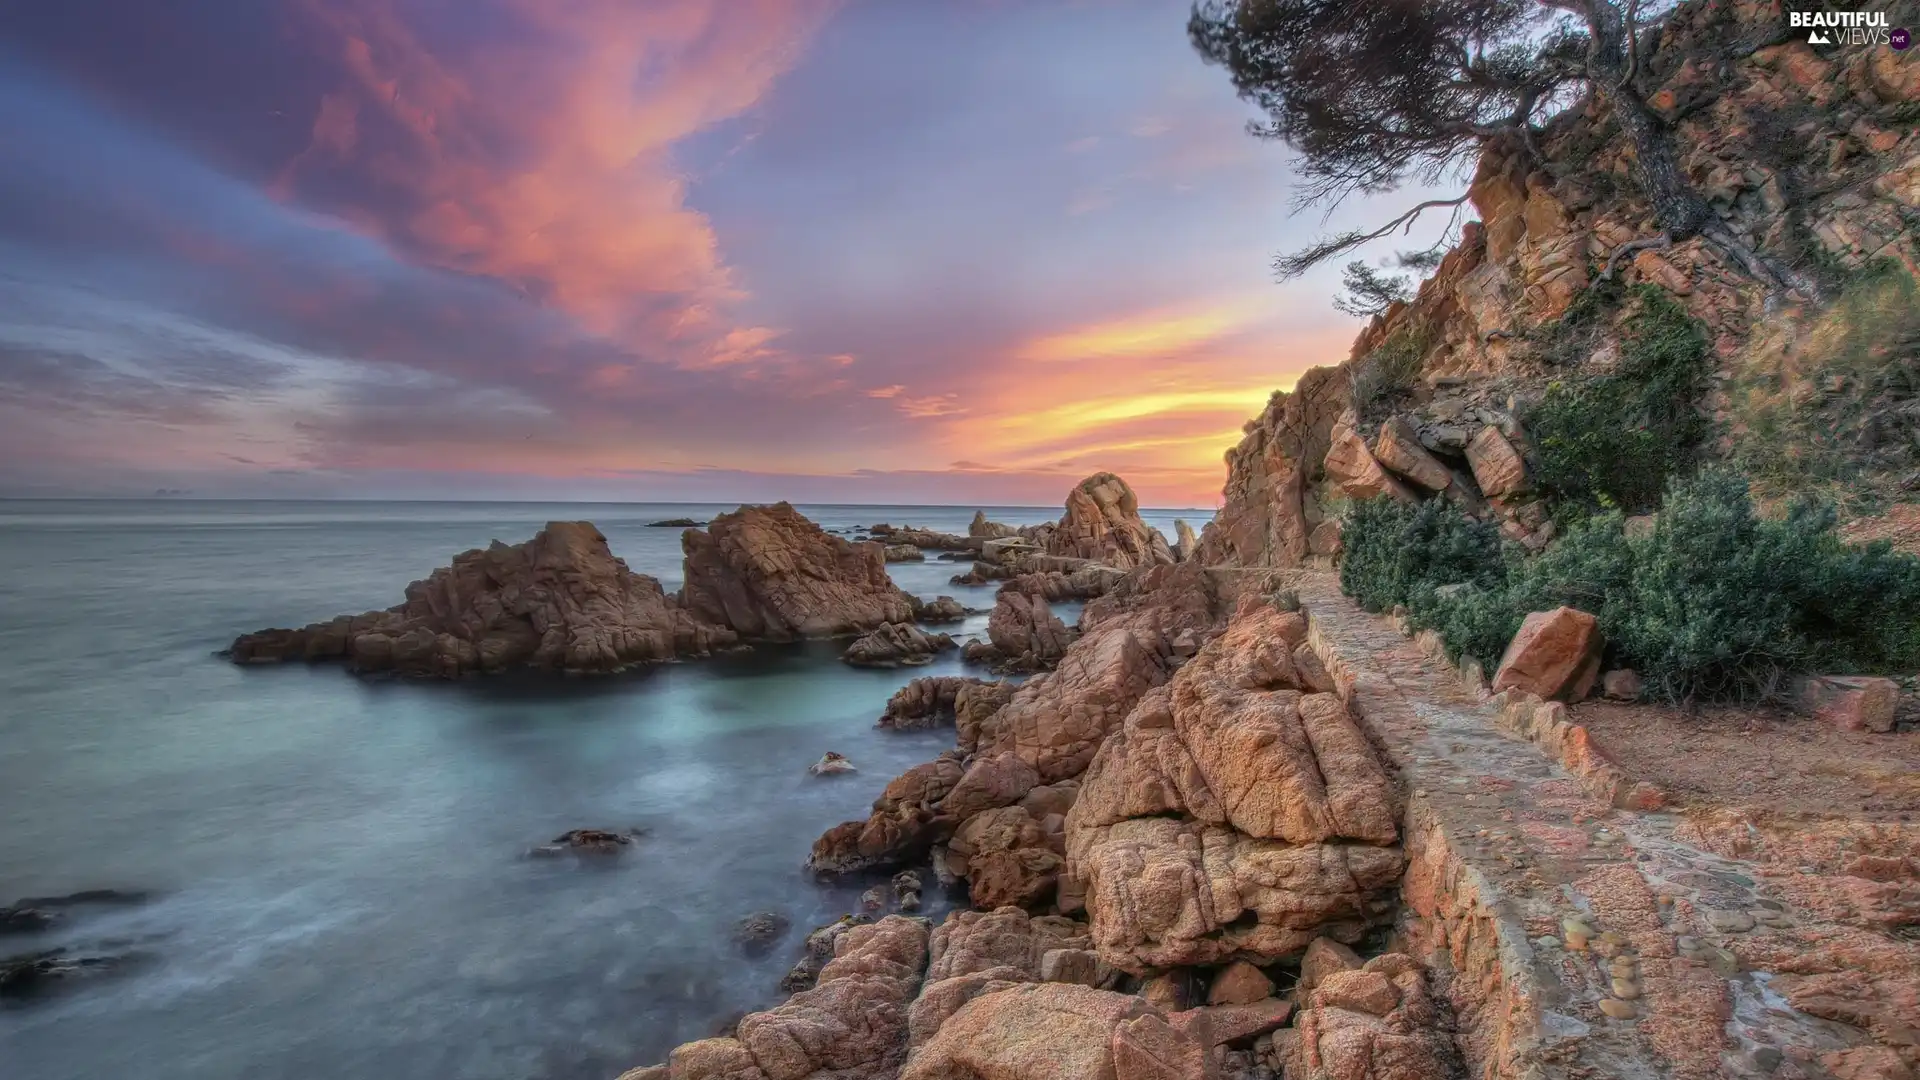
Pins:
x: 1847, y: 28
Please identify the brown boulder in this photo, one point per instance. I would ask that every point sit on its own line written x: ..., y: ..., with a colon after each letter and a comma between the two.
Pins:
x: 944, y: 699
x: 1056, y: 1031
x: 1622, y: 684
x: 989, y: 530
x: 1332, y: 1040
x: 1848, y: 702
x: 902, y: 826
x: 1352, y: 467
x: 1239, y: 983
x: 895, y: 644
x: 1398, y: 448
x: 1322, y: 958
x: 560, y: 601
x: 1025, y: 630
x: 1497, y: 466
x: 942, y: 609
x: 990, y: 782
x: 1184, y: 540
x: 1244, y: 1022
x: 1012, y: 860
x: 1555, y: 656
x: 768, y: 572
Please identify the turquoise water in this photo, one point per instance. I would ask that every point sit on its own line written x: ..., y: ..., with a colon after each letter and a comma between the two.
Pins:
x: 341, y: 891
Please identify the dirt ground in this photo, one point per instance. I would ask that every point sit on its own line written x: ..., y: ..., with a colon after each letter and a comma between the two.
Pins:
x: 1784, y: 762
x: 1900, y: 525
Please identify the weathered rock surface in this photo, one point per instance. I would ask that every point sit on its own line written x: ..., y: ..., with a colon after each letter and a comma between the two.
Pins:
x: 852, y: 1024
x: 903, y: 553
x: 1555, y: 656
x: 989, y: 530
x: 559, y: 601
x: 1184, y: 540
x: 768, y: 572
x: 1376, y: 1023
x: 1025, y: 630
x: 817, y: 950
x: 1848, y: 702
x: 1234, y: 816
x: 1270, y: 504
x: 758, y: 933
x: 945, y: 699
x: 942, y: 609
x: 1058, y: 1031
x: 1497, y: 466
x: 1103, y: 523
x: 1354, y: 470
x: 895, y: 644
x: 1398, y: 448
x: 1056, y: 721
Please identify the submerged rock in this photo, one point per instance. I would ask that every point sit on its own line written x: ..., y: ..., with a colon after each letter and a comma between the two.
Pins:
x: 585, y: 842
x: 831, y: 763
x: 758, y: 933
x: 33, y: 974
x: 677, y: 523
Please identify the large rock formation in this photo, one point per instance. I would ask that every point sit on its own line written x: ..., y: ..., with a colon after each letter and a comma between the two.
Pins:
x: 1374, y: 1023
x: 559, y: 601
x: 1056, y: 1031
x: 1236, y: 815
x: 769, y: 573
x: 1103, y: 523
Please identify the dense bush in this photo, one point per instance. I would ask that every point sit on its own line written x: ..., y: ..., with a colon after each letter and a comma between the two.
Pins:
x: 1396, y: 550
x: 1616, y: 438
x: 1715, y: 602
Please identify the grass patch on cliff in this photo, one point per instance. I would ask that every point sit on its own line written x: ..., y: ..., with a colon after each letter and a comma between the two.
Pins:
x: 1616, y: 437
x: 1714, y: 603
x: 1389, y: 370
x: 1834, y: 406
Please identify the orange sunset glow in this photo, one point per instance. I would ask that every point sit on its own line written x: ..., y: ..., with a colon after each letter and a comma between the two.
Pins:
x: 598, y: 249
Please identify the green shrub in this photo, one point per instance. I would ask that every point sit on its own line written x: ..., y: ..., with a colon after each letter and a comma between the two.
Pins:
x: 1617, y: 438
x: 1714, y: 603
x: 1395, y: 550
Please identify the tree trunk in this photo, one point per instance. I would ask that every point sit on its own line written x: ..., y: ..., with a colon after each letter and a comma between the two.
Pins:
x: 1678, y: 209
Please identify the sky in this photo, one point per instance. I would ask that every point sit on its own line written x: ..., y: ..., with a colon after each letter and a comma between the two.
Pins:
x: 922, y: 251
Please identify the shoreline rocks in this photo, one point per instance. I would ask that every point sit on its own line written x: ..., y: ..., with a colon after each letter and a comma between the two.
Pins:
x: 769, y: 573
x: 895, y: 645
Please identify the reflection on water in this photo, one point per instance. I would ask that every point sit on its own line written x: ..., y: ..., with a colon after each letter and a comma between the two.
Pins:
x: 342, y: 887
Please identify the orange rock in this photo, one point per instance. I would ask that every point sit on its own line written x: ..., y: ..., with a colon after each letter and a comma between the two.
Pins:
x: 1555, y: 656
x: 1398, y: 448
x: 1361, y: 991
x: 1497, y: 466
x: 1849, y: 702
x: 1239, y: 983
x: 1352, y: 466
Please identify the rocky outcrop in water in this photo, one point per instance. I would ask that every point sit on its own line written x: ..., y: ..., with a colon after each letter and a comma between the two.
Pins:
x: 560, y: 601
x: 944, y: 699
x: 894, y: 645
x: 1103, y: 523
x: 769, y: 573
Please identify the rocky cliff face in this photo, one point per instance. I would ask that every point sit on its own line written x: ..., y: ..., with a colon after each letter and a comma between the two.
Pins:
x: 1809, y: 156
x: 1103, y: 523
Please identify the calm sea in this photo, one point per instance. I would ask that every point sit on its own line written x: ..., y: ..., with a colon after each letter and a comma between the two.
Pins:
x: 340, y: 887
